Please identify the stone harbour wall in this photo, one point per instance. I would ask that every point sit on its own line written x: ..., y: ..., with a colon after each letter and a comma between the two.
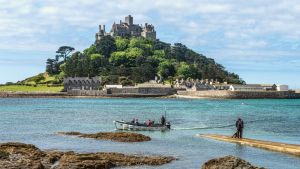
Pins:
x: 32, y: 94
x: 125, y: 92
x: 142, y: 90
x: 241, y: 94
x: 87, y: 92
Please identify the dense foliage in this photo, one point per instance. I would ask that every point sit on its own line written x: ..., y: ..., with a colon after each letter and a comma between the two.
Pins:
x: 134, y: 60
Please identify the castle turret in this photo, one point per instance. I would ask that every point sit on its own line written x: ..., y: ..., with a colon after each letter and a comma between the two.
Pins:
x: 127, y: 28
x: 149, y: 31
x: 129, y: 20
x: 101, y: 33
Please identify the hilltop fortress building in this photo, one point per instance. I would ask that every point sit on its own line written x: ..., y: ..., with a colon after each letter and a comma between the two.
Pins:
x: 128, y: 28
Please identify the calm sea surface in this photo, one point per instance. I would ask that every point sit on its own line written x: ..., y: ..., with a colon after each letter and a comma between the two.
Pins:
x: 36, y: 121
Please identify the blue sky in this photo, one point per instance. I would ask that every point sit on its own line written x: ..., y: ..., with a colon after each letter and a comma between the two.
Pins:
x: 259, y: 40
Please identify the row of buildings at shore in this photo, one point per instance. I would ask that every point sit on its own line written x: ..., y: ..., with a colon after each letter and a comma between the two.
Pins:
x: 94, y: 83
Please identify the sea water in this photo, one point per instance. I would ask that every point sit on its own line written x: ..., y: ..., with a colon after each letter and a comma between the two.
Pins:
x: 36, y: 121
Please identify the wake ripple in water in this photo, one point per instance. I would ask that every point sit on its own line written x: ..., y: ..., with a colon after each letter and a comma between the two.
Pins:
x: 214, y: 127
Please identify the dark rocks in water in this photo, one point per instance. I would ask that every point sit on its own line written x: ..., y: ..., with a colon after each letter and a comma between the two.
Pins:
x: 24, y: 156
x: 113, y: 136
x: 108, y: 160
x: 21, y: 156
x: 71, y: 133
x: 228, y: 162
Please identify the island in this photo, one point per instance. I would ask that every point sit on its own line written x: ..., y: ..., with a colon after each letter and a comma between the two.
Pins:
x: 130, y: 61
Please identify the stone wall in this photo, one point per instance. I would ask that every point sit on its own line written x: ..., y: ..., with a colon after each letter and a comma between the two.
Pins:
x: 142, y: 90
x: 163, y: 91
x: 240, y: 94
x: 87, y: 92
x: 122, y: 90
x: 125, y: 92
x: 31, y: 95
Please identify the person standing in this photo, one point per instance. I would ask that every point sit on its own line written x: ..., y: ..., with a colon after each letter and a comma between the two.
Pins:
x: 239, y: 126
x: 163, y: 120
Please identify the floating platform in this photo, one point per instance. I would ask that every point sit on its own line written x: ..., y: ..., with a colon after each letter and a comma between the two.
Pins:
x: 292, y: 149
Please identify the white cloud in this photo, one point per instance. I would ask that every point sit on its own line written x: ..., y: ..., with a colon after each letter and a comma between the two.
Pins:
x: 48, y: 10
x: 226, y: 24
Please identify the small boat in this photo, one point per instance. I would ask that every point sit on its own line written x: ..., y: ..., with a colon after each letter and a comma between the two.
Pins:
x: 122, y: 125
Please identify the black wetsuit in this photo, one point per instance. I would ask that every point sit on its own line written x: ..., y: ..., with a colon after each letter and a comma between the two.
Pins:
x: 163, y: 120
x: 239, y: 126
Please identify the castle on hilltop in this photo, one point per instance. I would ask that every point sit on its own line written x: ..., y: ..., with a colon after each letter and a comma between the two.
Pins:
x: 127, y: 28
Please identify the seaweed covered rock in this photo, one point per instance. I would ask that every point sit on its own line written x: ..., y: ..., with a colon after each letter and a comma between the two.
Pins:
x: 228, y: 162
x: 19, y: 155
x: 113, y: 136
x: 24, y: 156
x: 108, y: 160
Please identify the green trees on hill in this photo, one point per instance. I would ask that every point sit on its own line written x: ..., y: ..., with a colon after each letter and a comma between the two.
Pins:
x: 135, y: 60
x: 53, y: 65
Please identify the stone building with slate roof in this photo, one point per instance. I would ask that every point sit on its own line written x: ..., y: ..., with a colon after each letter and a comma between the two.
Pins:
x: 82, y: 83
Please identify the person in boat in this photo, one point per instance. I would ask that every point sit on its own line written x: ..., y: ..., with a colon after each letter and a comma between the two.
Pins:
x: 147, y: 123
x: 150, y: 123
x: 239, y: 126
x: 133, y: 121
x: 163, y: 120
x: 136, y: 121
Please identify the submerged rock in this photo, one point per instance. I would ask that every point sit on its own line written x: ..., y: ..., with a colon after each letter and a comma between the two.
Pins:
x: 228, y: 162
x: 114, y: 136
x: 24, y: 156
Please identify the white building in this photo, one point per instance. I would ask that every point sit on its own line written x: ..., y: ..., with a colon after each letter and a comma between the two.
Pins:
x: 282, y: 87
x: 113, y: 86
x: 246, y: 88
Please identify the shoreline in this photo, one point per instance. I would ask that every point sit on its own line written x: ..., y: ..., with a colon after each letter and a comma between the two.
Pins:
x: 66, y: 95
x: 195, y: 95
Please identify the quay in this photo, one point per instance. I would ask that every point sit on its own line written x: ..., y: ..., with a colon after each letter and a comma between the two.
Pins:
x: 292, y: 149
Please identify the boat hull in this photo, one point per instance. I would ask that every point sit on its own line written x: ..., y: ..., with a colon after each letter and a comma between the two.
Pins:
x: 121, y: 125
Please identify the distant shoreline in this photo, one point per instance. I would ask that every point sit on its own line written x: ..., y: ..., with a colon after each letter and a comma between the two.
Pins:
x: 66, y: 95
x: 135, y: 95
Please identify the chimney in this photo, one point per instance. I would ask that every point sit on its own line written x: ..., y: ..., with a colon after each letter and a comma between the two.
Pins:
x: 99, y: 28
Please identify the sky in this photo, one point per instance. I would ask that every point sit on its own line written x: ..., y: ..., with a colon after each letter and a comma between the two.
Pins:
x: 259, y: 40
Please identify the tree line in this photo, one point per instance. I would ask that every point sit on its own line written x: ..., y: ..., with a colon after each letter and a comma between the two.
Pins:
x: 135, y: 60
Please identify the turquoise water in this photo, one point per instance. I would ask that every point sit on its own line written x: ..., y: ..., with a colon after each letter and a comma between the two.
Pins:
x: 36, y: 121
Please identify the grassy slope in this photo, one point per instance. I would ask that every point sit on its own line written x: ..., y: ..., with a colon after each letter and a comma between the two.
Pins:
x: 23, y: 88
x: 47, y: 79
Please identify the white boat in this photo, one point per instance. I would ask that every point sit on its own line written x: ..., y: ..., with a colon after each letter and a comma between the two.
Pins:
x: 122, y: 125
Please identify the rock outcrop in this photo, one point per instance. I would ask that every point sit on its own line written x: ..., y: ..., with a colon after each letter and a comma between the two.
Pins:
x: 113, y: 136
x: 228, y: 162
x: 25, y: 156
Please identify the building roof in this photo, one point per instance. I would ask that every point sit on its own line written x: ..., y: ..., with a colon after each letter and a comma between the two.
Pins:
x: 82, y: 80
x: 246, y: 86
x: 264, y: 85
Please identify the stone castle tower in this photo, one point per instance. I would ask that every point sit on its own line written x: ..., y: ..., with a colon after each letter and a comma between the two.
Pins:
x: 128, y: 28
